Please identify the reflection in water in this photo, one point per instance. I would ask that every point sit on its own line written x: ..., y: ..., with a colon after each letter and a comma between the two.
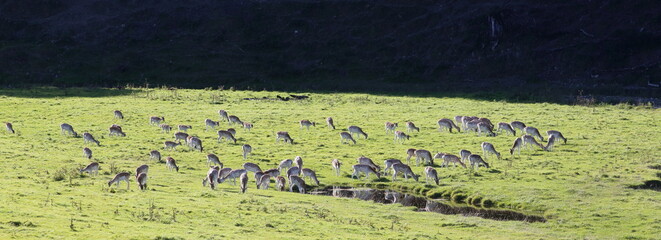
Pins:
x: 423, y: 204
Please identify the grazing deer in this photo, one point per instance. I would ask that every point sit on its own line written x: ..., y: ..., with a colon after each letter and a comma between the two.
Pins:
x: 213, y: 159
x: 284, y: 136
x: 533, y: 132
x: 165, y: 128
x: 457, y: 119
x: 247, y: 149
x: 449, y: 158
x: 208, y: 123
x: 329, y: 122
x: 557, y: 134
x: 92, y: 169
x: 194, y: 143
x: 483, y: 127
x: 178, y: 136
x: 518, y: 125
x: 405, y: 170
x: 223, y: 172
x: 285, y: 164
x: 311, y: 174
x: 448, y: 124
x: 89, y: 138
x: 336, y: 166
x: 234, y: 119
x: 67, y: 129
x: 280, y: 183
x: 116, y: 130
x: 431, y: 173
x: 170, y: 145
x: 307, y: 124
x: 487, y: 121
x: 154, y: 154
x: 142, y: 181
x: 171, y: 164
x: 367, y: 161
x: 232, y: 131
x: 184, y: 127
x: 233, y: 175
x: 390, y: 127
x: 528, y: 141
x: 212, y: 177
x: 273, y: 172
x: 293, y: 171
x: 363, y: 168
x: 121, y: 177
x: 223, y: 115
x: 244, y: 182
x: 488, y: 148
x: 507, y: 127
x: 410, y: 153
x: 423, y: 155
x: 142, y: 169
x: 464, y: 154
x: 156, y: 120
x: 251, y: 167
x: 87, y: 153
x: 389, y: 163
x: 118, y: 114
x: 475, y: 161
x: 346, y: 137
x: 516, y: 146
x: 298, y: 160
x: 298, y: 182
x: 247, y: 126
x: 263, y: 182
x: 550, y: 143
x: 410, y: 127
x: 401, y: 136
x: 356, y: 130
x: 222, y: 134
x: 471, y: 126
x: 10, y: 127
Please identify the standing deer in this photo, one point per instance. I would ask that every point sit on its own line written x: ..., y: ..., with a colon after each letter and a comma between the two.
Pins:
x: 367, y: 161
x: 234, y: 119
x: 116, y: 130
x: 244, y: 182
x: 89, y: 138
x: 233, y: 175
x: 154, y: 154
x: 488, y: 148
x: 213, y: 159
x: 346, y: 137
x: 475, y: 161
x: 142, y: 169
x: 87, y: 153
x: 212, y: 177
x: 247, y: 149
x: 298, y: 182
x: 280, y: 183
x: 184, y: 127
x: 423, y: 155
x: 306, y: 172
x: 223, y: 115
x: 357, y: 130
x: 10, y: 127
x: 284, y: 136
x: 208, y: 123
x: 178, y: 136
x: 401, y: 136
x: 430, y: 173
x: 410, y: 127
x: 247, y: 126
x: 121, y: 177
x: 171, y: 164
x: 306, y: 124
x: 390, y: 127
x: 298, y: 160
x: 232, y: 131
x: 118, y: 114
x: 273, y: 172
x: 507, y: 127
x: 336, y: 166
x: 464, y: 154
x: 252, y: 167
x: 329, y: 122
x: 458, y: 119
x: 449, y: 158
x: 516, y: 146
x: 293, y: 171
x: 528, y: 141
x: 389, y: 163
x: 533, y: 132
x: 557, y: 134
x: 92, y: 169
x: 363, y: 168
x: 448, y: 124
x: 142, y: 181
x: 518, y: 125
x: 156, y: 120
x: 263, y: 182
x: 194, y: 143
x: 67, y: 129
x: 285, y: 164
x: 483, y: 127
x: 410, y: 153
x: 222, y: 134
x: 165, y: 128
x: 405, y: 170
x: 170, y: 145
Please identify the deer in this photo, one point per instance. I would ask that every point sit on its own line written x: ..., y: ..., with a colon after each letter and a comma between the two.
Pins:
x: 488, y: 148
x: 223, y: 172
x: 346, y: 137
x: 464, y: 154
x: 458, y: 119
x: 208, y: 123
x: 298, y: 160
x: 367, y: 161
x: 550, y: 143
x: 247, y: 126
x: 222, y: 134
x: 118, y: 114
x: 390, y: 127
x: 484, y: 127
x: 363, y: 168
x: 471, y: 126
x: 263, y: 182
x: 329, y: 122
x: 244, y: 182
x: 67, y: 130
x: 165, y: 128
x: 389, y: 163
x: 530, y: 140
x: 234, y: 119
x: 487, y: 121
x: 410, y: 127
x: 466, y: 119
x: 448, y: 124
x: 298, y: 182
x: 212, y: 177
x: 516, y: 146
x: 273, y: 172
x: 307, y: 124
x: 10, y: 127
x: 284, y: 136
x: 121, y: 177
x: 476, y: 160
x: 92, y: 169
x: 194, y: 143
x: 518, y: 125
x: 184, y: 128
x: 251, y: 167
x: 223, y: 115
x: 142, y: 181
x: 507, y: 127
x: 170, y: 145
x: 89, y: 138
x: 449, y: 158
x: 87, y: 153
x: 431, y: 174
x: 336, y: 164
x: 247, y: 149
x: 533, y: 132
x: 233, y: 174
x: 116, y: 130
x: 423, y: 155
x: 178, y: 136
x: 213, y: 159
x: 287, y: 163
x: 293, y: 171
x: 258, y: 175
x: 401, y: 137
x: 171, y: 164
x: 405, y: 170
x: 356, y: 130
x: 156, y: 120
x: 232, y: 131
x: 142, y: 169
x: 310, y: 174
x: 280, y: 183
x: 154, y: 154
x: 410, y: 153
x: 557, y: 134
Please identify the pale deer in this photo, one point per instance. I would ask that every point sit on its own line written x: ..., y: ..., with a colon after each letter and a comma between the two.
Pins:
x: 306, y: 124
x: 208, y: 123
x: 10, y: 127
x: 142, y: 169
x: 506, y: 127
x: 234, y: 119
x: 121, y: 177
x: 410, y: 127
x: 284, y: 136
x: 457, y: 119
x: 557, y: 134
x: 464, y: 154
x: 336, y: 164
x: 401, y: 137
x: 410, y: 153
x: 471, y: 126
x: 264, y: 182
x: 194, y: 143
x: 329, y: 122
x: 483, y: 127
x: 529, y: 142
x: 306, y: 172
x: 448, y: 124
x: 211, y: 177
x: 550, y: 143
x: 87, y: 153
x: 298, y: 182
x: 423, y: 155
x: 518, y: 125
x: 390, y: 127
x: 223, y: 172
x: 118, y: 114
x: 431, y: 174
x: 516, y: 146
x: 533, y: 132
x: 488, y: 148
x: 89, y: 138
x: 366, y: 169
x: 247, y: 149
x: 170, y: 145
x: 178, y: 136
x: 298, y: 160
x: 232, y: 131
x: 156, y: 120
x: 449, y: 158
x: 405, y: 170
x: 92, y: 169
x: 68, y: 130
x: 293, y: 171
x: 367, y: 161
x: 273, y: 172
x: 244, y: 182
x: 222, y: 134
x: 280, y: 183
x: 287, y: 163
x: 476, y: 160
x: 223, y: 115
x: 487, y: 121
x: 233, y: 175
x: 154, y: 154
x: 212, y: 159
x: 389, y: 163
x: 184, y: 127
x: 247, y: 126
x: 346, y: 137
x: 251, y: 167
x: 356, y: 130
x: 142, y: 181
x: 258, y: 175
x: 116, y: 131
x: 171, y: 164
x: 165, y: 128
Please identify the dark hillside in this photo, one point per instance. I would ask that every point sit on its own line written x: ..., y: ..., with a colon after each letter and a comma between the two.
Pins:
x: 607, y: 47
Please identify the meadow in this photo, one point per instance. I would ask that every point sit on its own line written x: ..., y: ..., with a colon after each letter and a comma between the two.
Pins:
x: 590, y: 188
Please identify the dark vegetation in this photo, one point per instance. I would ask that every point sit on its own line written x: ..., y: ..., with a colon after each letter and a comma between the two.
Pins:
x: 530, y: 49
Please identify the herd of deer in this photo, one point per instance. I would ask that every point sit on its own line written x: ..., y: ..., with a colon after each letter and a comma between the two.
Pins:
x: 295, y: 173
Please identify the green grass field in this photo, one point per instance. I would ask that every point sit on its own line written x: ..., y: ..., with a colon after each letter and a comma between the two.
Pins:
x: 583, y: 187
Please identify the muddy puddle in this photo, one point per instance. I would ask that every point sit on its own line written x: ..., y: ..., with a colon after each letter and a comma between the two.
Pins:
x: 424, y: 204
